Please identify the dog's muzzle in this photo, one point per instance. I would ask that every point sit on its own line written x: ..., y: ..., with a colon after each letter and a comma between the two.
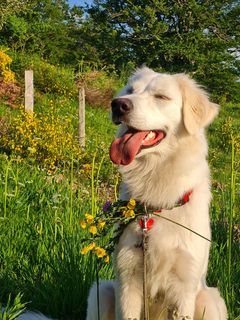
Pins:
x: 120, y: 108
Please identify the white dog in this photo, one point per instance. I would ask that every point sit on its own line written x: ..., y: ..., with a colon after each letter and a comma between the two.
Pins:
x: 161, y: 149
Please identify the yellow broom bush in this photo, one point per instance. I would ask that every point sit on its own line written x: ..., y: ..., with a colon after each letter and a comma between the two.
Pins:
x: 42, y: 137
x: 5, y: 73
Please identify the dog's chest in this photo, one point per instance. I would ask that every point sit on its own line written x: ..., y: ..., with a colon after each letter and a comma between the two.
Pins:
x: 164, y: 253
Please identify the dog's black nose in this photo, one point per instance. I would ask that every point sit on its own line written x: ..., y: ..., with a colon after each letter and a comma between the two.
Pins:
x: 120, y: 107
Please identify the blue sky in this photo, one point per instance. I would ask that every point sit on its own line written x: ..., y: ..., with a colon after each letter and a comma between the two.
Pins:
x: 79, y: 2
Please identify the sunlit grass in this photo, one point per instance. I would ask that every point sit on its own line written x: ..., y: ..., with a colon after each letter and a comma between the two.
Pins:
x: 41, y: 237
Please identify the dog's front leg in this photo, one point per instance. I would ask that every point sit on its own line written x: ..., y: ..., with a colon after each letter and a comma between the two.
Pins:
x: 183, y: 284
x: 179, y: 304
x: 128, y: 300
x: 129, y: 285
x: 186, y: 306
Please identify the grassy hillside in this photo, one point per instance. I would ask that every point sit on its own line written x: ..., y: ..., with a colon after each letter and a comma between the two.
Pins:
x: 42, y: 202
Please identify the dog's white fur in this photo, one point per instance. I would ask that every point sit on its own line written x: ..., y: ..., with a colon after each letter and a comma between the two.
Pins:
x: 177, y: 259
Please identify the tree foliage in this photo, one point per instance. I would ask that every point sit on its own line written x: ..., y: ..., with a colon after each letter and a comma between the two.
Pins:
x: 194, y: 36
x: 43, y: 28
x: 174, y: 36
x: 11, y: 7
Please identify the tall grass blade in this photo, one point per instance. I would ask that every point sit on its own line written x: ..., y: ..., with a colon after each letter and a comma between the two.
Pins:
x: 231, y: 215
x: 5, y: 196
x: 93, y: 200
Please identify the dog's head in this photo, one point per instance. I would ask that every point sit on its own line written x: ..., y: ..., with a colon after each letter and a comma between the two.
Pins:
x: 152, y: 108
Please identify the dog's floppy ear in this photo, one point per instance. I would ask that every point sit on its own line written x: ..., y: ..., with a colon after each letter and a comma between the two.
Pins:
x: 198, y: 110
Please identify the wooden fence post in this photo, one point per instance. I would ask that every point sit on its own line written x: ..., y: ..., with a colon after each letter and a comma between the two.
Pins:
x: 29, y: 99
x: 81, y: 114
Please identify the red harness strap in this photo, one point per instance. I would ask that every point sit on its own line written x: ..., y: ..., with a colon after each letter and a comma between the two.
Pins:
x: 186, y: 197
x: 181, y: 202
x: 149, y: 223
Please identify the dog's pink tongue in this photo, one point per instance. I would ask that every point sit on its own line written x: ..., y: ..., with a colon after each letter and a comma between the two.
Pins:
x: 124, y: 149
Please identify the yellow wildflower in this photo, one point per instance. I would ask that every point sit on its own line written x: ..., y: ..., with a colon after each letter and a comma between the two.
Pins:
x: 89, y: 218
x: 4, y: 58
x: 32, y: 150
x: 131, y: 204
x: 128, y: 214
x: 84, y: 250
x: 101, y: 224
x: 83, y: 224
x: 91, y: 246
x: 106, y: 260
x: 87, y: 167
x: 100, y: 252
x: 88, y: 248
x: 8, y: 76
x: 93, y: 229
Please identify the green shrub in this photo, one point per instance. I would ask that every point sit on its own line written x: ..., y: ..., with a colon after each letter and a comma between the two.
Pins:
x: 48, y: 78
x: 54, y: 79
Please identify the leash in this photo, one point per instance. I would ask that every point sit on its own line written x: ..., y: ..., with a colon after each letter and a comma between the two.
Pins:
x: 145, y: 248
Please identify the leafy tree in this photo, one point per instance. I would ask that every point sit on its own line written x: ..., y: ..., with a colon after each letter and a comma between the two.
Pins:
x: 196, y: 36
x: 174, y: 36
x: 10, y: 7
x: 44, y: 29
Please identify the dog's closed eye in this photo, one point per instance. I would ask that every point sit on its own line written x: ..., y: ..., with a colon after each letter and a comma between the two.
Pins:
x: 161, y: 96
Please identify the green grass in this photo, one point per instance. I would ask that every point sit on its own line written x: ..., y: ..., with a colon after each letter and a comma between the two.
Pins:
x: 41, y: 237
